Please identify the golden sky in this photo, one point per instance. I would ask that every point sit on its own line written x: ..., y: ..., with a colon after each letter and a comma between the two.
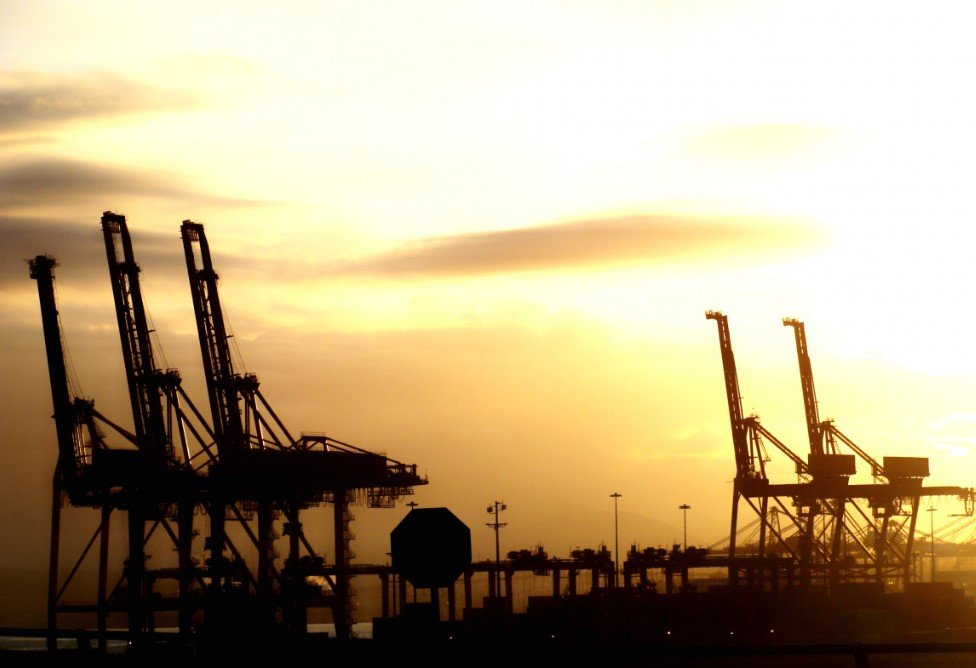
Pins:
x: 482, y: 236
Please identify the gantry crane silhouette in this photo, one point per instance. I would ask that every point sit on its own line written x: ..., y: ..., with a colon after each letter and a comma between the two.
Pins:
x: 830, y: 538
x: 178, y: 465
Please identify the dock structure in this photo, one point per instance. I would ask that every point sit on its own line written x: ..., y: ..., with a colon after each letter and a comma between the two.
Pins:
x: 233, y: 473
x: 238, y: 476
x: 834, y: 531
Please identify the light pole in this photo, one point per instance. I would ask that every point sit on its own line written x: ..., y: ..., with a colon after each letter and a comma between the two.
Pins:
x: 616, y: 540
x: 495, y: 508
x: 931, y: 512
x: 395, y: 591
x: 684, y: 508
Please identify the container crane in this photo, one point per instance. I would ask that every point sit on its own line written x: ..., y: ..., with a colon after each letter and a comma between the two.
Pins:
x: 823, y: 489
x: 825, y: 432
x: 260, y: 459
x: 893, y: 474
x: 154, y: 396
x: 226, y: 390
x: 90, y: 473
x: 72, y: 416
x: 748, y: 436
x: 172, y: 458
x: 830, y: 469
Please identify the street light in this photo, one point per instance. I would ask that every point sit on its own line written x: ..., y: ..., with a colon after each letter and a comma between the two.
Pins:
x: 395, y: 590
x: 495, y: 508
x: 616, y: 539
x: 684, y: 508
x: 931, y: 512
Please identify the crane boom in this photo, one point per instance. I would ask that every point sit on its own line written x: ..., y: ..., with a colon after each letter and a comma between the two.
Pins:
x: 745, y: 466
x: 222, y: 382
x: 71, y: 454
x: 144, y: 379
x: 814, y: 428
x: 826, y: 432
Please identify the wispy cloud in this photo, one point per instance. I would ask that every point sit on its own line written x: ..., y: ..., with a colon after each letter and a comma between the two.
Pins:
x: 956, y: 422
x: 49, y: 180
x: 568, y: 246
x: 25, y: 140
x: 603, y: 241
x: 76, y: 245
x: 30, y: 100
x: 954, y: 435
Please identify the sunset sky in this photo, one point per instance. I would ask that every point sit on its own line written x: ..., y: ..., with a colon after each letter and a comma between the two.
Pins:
x: 482, y: 236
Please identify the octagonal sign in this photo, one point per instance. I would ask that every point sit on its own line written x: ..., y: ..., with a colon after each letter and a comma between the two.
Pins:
x: 430, y: 547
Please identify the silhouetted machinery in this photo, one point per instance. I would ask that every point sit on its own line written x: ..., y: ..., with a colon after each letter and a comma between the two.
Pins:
x: 829, y: 537
x: 236, y: 474
x: 240, y: 466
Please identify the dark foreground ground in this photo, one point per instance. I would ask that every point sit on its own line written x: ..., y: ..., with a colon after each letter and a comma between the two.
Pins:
x: 373, y: 653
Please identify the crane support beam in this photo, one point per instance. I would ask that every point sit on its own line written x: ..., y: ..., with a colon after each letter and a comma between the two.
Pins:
x: 66, y: 418
x: 222, y: 385
x: 140, y: 368
x: 877, y: 469
x: 814, y: 431
x: 745, y: 463
x: 802, y: 468
x: 42, y: 271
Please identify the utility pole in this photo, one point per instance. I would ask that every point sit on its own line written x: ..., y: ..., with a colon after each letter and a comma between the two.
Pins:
x: 616, y: 540
x: 412, y: 504
x: 931, y: 512
x: 495, y: 508
x: 684, y: 508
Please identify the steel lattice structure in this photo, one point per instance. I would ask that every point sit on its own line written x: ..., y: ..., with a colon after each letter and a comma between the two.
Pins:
x: 835, y: 532
x: 179, y: 473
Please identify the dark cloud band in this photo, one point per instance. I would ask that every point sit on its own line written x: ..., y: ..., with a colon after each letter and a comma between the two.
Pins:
x: 607, y: 241
x: 78, y: 246
x: 577, y: 245
x: 36, y: 181
x: 31, y: 100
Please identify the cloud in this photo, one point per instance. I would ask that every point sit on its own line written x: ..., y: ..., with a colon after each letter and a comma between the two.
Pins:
x: 579, y: 244
x: 30, y: 99
x: 954, y: 435
x: 604, y: 241
x: 77, y: 246
x: 956, y: 424
x: 28, y: 140
x: 49, y: 180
